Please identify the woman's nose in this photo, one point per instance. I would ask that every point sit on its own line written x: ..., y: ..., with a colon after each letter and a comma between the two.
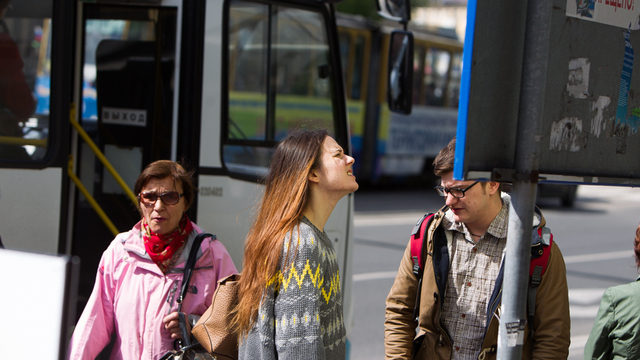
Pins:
x: 158, y: 205
x: 350, y: 160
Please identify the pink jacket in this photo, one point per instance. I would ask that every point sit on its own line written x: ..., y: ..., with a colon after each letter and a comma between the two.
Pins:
x: 131, y: 296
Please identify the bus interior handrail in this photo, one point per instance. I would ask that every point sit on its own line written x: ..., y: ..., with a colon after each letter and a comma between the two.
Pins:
x: 17, y: 140
x: 103, y: 159
x: 90, y: 198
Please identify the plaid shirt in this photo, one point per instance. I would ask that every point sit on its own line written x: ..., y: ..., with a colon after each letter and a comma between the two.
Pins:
x: 472, y: 275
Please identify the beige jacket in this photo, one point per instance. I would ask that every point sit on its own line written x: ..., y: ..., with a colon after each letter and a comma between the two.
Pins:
x: 551, y: 337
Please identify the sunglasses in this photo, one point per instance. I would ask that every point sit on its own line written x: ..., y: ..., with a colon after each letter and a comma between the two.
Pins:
x: 167, y: 198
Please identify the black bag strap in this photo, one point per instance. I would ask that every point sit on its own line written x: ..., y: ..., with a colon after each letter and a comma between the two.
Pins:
x: 190, y: 265
x: 186, y: 279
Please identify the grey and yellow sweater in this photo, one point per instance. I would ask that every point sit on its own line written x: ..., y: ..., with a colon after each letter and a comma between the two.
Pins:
x: 300, y: 316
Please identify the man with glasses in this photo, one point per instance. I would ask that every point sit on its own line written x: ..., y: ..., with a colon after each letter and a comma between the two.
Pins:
x: 453, y: 310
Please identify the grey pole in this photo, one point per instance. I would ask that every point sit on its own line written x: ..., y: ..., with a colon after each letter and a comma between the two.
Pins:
x: 515, y: 283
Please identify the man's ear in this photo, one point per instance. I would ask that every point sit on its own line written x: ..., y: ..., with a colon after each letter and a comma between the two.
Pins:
x: 313, y: 176
x: 493, y: 187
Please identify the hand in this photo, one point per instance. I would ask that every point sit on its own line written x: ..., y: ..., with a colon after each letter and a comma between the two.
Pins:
x: 172, y: 324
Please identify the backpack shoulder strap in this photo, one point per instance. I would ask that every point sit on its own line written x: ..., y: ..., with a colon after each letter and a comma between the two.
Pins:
x: 418, y: 236
x: 540, y: 251
x: 417, y: 239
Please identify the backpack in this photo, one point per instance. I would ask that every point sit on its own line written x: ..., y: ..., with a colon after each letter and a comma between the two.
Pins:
x: 539, y: 259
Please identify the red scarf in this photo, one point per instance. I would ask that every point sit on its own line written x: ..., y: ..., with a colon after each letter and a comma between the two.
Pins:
x: 162, y: 247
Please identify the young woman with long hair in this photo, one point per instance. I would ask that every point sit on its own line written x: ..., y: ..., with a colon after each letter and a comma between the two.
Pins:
x: 290, y: 298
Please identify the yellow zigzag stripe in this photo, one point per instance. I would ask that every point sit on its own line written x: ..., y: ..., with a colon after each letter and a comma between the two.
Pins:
x: 316, y: 280
x: 335, y: 285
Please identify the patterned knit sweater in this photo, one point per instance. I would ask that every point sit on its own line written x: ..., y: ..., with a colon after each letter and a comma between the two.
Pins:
x: 300, y: 316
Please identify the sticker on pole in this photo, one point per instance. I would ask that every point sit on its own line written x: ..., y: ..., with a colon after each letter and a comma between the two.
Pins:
x: 515, y: 333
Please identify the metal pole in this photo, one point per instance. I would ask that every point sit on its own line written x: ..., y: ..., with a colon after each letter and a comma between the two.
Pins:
x: 534, y: 70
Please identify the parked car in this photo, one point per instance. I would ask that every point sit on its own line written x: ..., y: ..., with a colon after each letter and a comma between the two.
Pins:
x: 566, y: 193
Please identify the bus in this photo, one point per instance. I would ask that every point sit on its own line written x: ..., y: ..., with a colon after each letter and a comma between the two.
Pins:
x: 116, y: 84
x: 389, y: 146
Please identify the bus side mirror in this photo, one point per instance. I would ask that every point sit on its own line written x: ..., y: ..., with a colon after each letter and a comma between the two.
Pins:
x: 396, y: 10
x: 400, y: 76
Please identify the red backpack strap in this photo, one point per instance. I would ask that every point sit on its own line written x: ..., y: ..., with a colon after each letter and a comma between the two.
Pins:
x: 417, y: 239
x: 540, y: 251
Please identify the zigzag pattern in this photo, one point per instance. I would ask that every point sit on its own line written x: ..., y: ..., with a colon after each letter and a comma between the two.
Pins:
x: 316, y: 279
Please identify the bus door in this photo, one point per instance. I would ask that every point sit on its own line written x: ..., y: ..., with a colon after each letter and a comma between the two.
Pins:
x: 128, y: 64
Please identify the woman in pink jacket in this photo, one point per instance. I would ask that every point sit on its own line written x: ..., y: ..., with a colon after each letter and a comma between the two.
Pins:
x: 139, y: 276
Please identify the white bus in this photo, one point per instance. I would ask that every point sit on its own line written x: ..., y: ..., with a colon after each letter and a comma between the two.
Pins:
x: 119, y: 84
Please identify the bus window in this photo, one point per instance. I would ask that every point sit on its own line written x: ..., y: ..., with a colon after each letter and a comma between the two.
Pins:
x: 453, y: 89
x: 356, y: 85
x: 303, y: 72
x: 248, y: 54
x: 98, y: 32
x: 436, y: 76
x: 344, y: 38
x: 353, y: 49
x: 418, y: 73
x: 24, y: 72
x: 275, y: 84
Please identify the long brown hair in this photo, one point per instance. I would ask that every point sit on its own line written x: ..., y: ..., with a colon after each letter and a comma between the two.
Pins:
x: 280, y: 211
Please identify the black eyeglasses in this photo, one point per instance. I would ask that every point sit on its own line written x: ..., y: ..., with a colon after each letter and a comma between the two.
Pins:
x: 168, y: 198
x: 455, y: 192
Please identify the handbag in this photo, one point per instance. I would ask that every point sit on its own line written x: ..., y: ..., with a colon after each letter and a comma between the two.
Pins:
x: 213, y: 330
x: 187, y: 349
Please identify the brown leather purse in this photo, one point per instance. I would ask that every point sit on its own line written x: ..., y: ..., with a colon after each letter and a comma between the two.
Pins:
x: 212, y: 330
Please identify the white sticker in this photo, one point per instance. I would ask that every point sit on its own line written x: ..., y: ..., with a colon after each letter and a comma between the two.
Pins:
x: 578, y: 82
x: 515, y: 333
x: 565, y: 134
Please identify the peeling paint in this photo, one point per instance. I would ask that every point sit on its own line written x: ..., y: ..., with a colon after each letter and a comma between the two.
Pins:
x: 597, y: 125
x: 578, y: 83
x: 565, y: 134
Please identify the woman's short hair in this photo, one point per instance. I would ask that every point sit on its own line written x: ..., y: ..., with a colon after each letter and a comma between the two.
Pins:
x: 166, y: 168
